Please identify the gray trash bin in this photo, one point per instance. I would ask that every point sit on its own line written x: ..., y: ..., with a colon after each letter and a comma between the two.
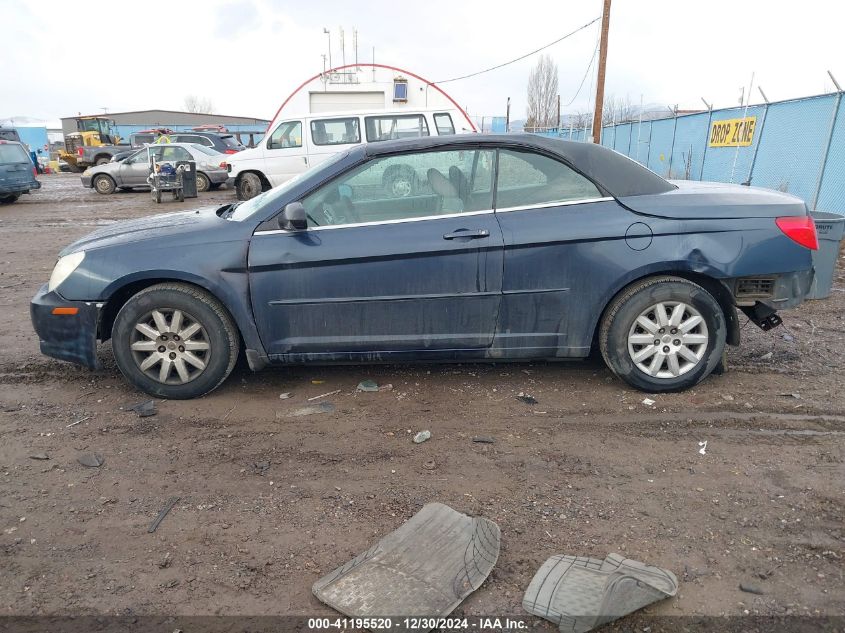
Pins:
x: 189, y: 178
x: 829, y: 228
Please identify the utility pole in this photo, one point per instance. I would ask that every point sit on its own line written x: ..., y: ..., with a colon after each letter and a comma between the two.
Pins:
x: 508, y: 116
x: 557, y: 123
x: 605, y: 27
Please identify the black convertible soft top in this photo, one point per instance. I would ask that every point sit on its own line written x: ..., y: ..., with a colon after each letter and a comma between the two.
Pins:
x: 617, y: 174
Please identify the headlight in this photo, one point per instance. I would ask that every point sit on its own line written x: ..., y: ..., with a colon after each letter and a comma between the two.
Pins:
x: 64, y: 267
x: 86, y: 172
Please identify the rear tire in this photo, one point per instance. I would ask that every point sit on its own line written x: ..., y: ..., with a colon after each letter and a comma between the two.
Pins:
x: 103, y: 184
x: 682, y: 317
x: 102, y: 160
x: 203, y: 326
x: 249, y: 186
x: 203, y: 183
x: 10, y: 198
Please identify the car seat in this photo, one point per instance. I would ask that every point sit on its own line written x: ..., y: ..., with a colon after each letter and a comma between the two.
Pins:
x: 450, y: 202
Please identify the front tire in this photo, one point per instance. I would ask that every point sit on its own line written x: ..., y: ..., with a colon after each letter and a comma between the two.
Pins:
x: 175, y: 341
x: 663, y: 334
x: 10, y: 198
x: 103, y: 184
x: 249, y: 186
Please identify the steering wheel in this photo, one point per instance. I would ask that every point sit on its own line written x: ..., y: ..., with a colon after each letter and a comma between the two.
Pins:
x: 340, y: 212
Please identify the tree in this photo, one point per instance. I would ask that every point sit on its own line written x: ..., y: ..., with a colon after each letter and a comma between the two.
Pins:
x: 199, y: 105
x: 542, y: 94
x: 618, y: 110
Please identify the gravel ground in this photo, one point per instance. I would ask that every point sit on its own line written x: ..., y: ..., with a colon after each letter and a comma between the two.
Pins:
x: 269, y: 502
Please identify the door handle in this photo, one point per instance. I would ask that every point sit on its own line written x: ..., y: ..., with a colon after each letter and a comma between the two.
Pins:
x: 466, y: 234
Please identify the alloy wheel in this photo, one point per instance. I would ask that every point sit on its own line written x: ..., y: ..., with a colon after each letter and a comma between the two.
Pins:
x: 668, y: 339
x: 170, y: 346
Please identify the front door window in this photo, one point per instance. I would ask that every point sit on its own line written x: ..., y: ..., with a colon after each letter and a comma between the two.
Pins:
x: 405, y: 187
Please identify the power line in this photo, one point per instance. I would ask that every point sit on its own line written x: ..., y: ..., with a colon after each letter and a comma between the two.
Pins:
x: 584, y: 78
x: 487, y: 70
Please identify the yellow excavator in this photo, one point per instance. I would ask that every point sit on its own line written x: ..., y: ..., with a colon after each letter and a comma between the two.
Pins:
x: 94, y: 143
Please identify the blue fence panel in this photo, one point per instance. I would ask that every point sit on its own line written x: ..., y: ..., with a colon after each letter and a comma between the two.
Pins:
x: 640, y: 132
x: 622, y: 138
x: 792, y: 146
x: 719, y: 161
x: 35, y: 138
x: 660, y: 146
x: 832, y: 193
x: 690, y: 141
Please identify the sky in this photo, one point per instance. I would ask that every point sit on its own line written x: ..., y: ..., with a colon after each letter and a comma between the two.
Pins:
x: 58, y: 59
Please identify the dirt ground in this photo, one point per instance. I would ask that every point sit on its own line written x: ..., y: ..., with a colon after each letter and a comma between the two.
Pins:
x: 269, y: 503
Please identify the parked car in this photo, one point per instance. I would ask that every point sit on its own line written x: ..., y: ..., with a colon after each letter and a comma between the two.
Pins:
x: 302, y: 141
x: 223, y: 143
x: 132, y: 172
x: 9, y: 134
x: 515, y: 247
x: 17, y: 173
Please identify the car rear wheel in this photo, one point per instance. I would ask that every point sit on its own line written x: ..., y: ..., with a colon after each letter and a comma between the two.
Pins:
x: 249, y: 186
x: 103, y: 184
x: 663, y: 334
x: 174, y: 341
x: 203, y: 183
x: 10, y: 199
x: 102, y: 160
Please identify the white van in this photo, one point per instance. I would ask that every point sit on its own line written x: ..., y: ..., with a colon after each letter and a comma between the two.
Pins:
x: 296, y: 143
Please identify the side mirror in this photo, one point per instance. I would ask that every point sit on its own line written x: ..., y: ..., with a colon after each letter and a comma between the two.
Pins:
x: 293, y: 218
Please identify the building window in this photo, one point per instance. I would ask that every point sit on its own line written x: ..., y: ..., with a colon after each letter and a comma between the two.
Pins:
x: 400, y: 90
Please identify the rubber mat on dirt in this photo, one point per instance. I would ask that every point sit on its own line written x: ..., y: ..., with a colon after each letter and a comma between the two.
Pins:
x: 579, y: 593
x: 424, y: 568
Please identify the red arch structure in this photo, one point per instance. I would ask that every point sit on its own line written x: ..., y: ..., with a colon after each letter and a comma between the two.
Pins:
x: 400, y: 70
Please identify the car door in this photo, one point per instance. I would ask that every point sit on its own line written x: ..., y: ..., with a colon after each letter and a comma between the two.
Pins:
x: 377, y: 275
x: 561, y: 237
x: 284, y: 153
x: 134, y: 170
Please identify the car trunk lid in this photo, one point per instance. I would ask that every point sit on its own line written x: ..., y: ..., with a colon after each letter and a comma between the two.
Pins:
x: 714, y: 200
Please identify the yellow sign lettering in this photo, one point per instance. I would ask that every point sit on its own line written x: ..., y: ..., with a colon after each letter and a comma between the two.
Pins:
x: 733, y: 132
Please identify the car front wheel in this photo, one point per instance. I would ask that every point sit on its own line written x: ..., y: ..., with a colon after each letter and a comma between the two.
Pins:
x: 104, y: 184
x: 663, y: 334
x: 174, y: 341
x: 248, y: 186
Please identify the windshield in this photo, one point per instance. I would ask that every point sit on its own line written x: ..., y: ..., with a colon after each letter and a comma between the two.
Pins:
x: 245, y: 210
x: 12, y: 153
x: 230, y: 141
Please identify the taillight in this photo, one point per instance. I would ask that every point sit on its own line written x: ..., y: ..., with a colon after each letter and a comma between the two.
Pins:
x: 230, y: 151
x: 35, y: 172
x: 79, y: 151
x: 800, y: 229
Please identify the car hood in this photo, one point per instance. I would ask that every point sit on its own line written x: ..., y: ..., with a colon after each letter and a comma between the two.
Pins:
x: 191, y: 225
x: 716, y: 200
x: 106, y: 168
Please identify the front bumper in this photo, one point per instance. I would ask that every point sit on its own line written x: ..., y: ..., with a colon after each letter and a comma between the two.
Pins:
x: 86, y: 181
x: 70, y: 337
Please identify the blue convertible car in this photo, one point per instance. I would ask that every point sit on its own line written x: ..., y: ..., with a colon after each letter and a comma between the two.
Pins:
x: 503, y: 248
